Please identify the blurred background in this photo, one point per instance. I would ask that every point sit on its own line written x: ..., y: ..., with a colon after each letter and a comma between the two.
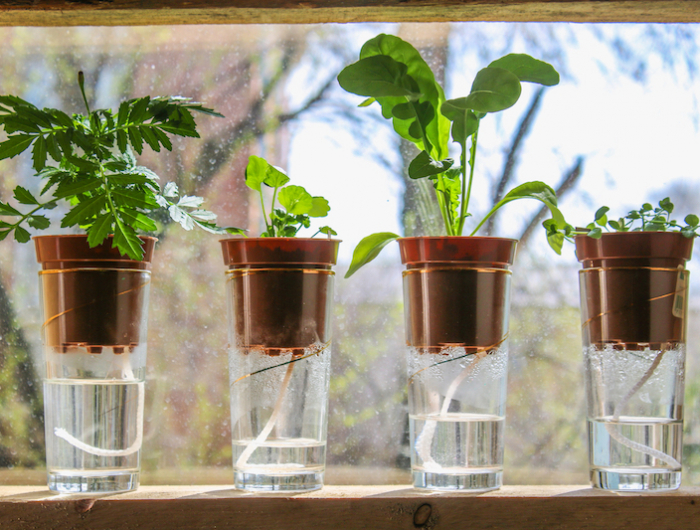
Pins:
x: 619, y: 130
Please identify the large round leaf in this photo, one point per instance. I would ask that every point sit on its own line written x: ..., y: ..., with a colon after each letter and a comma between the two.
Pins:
x: 493, y: 90
x: 377, y: 76
x: 528, y: 69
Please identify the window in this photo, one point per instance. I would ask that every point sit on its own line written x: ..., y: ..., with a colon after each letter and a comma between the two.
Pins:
x: 622, y: 126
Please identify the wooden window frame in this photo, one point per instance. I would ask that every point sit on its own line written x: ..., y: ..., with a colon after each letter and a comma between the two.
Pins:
x: 345, y: 507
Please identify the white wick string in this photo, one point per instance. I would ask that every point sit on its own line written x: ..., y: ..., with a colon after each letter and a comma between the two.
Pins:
x: 617, y: 435
x: 62, y: 433
x: 252, y: 446
x: 424, y: 441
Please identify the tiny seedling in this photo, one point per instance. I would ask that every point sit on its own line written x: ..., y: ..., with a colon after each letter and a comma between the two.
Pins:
x: 393, y: 74
x: 87, y: 162
x: 297, y: 205
x: 648, y: 218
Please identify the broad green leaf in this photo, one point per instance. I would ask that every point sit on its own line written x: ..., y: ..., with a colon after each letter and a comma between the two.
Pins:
x: 23, y: 196
x: 438, y: 130
x: 295, y: 199
x: 528, y: 69
x: 666, y: 205
x: 122, y: 140
x: 692, y: 220
x: 150, y: 138
x: 137, y: 220
x: 255, y: 172
x: 52, y: 148
x: 15, y: 145
x: 319, y: 207
x: 84, y: 211
x: 530, y: 190
x: 368, y: 249
x: 376, y: 76
x: 424, y: 166
x: 4, y: 234
x: 6, y: 209
x: 275, y: 178
x: 493, y: 90
x: 135, y: 139
x: 133, y: 198
x: 601, y: 217
x: 464, y: 122
x: 163, y: 138
x: 82, y: 164
x: 21, y: 235
x: 138, y: 110
x: 123, y: 114
x: 70, y: 189
x: 328, y: 231
x: 100, y: 229
x: 127, y: 242
x: 40, y: 222
x: 180, y: 130
x: 60, y: 117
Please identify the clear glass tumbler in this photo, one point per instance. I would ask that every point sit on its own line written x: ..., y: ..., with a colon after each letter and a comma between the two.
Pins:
x: 94, y: 336
x: 456, y: 302
x: 280, y: 294
x: 634, y: 295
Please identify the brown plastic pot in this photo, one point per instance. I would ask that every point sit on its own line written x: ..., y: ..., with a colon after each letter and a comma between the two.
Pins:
x: 280, y: 292
x: 92, y: 297
x: 634, y: 289
x: 456, y: 291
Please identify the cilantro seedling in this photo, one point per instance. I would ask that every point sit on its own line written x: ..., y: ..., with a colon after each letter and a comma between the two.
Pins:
x: 298, y: 206
x: 392, y: 73
x: 86, y: 160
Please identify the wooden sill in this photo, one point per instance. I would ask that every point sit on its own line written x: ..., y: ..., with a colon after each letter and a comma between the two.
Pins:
x: 148, y: 12
x: 349, y: 508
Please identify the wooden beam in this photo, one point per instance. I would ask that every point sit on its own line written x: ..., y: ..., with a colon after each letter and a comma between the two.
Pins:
x: 147, y: 12
x: 349, y: 508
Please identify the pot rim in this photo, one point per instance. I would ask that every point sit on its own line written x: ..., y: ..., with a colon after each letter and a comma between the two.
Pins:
x: 308, y: 251
x: 65, y: 251
x: 633, y: 246
x: 498, y: 252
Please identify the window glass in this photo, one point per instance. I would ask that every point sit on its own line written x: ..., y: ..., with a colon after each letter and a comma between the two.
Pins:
x: 619, y: 130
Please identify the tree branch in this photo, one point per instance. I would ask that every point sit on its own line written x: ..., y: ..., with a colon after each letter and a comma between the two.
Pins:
x: 571, y: 177
x: 513, y: 153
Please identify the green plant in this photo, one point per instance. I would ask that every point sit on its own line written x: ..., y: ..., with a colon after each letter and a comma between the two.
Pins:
x: 298, y: 204
x: 392, y: 73
x: 95, y: 170
x: 650, y: 219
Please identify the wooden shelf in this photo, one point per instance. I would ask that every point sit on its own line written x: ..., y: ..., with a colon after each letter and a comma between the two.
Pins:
x: 147, y: 12
x: 349, y: 508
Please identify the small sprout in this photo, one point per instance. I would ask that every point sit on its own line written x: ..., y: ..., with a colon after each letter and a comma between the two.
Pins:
x: 299, y: 206
x: 652, y: 220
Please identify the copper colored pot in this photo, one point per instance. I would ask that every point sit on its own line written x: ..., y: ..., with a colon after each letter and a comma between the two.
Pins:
x: 634, y: 289
x: 280, y: 292
x: 92, y: 297
x: 456, y: 291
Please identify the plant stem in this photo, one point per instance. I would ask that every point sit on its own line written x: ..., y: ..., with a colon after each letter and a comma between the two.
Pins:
x: 81, y: 84
x: 269, y: 229
x: 472, y: 161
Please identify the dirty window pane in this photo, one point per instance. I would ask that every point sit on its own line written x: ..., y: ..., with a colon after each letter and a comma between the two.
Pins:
x: 621, y: 129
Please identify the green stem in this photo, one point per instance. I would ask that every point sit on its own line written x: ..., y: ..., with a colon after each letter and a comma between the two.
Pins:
x: 427, y: 146
x: 81, y: 84
x: 270, y: 231
x: 472, y: 163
